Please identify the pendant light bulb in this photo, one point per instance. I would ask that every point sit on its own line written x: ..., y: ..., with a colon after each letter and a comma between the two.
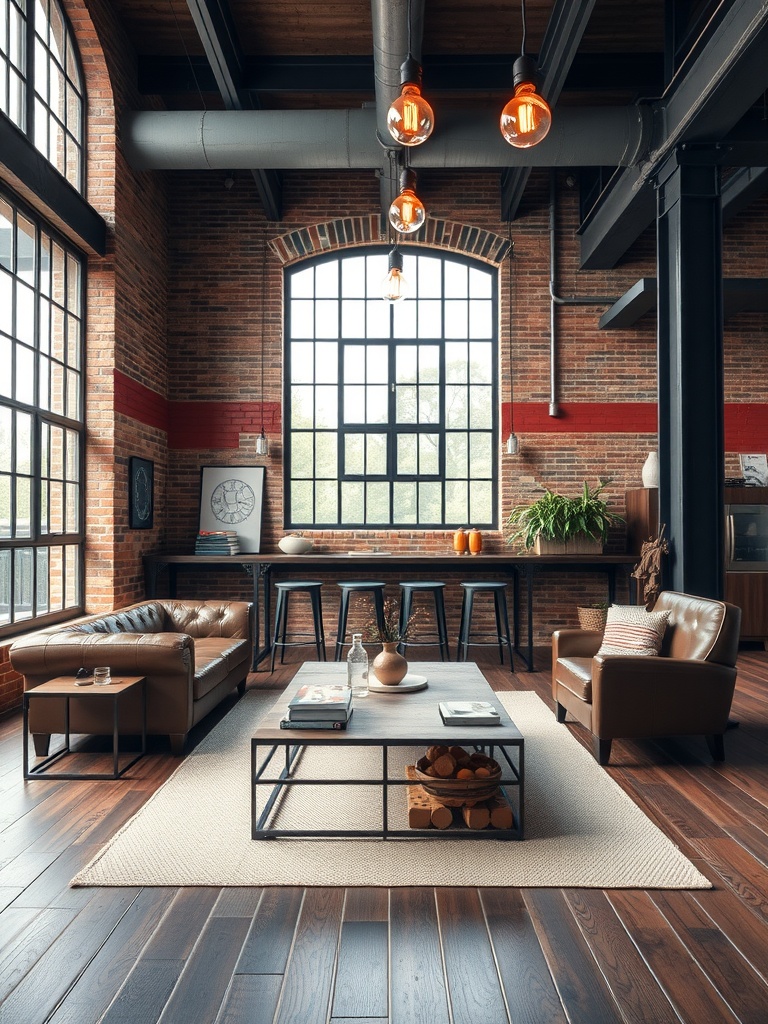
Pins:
x: 394, y: 285
x: 513, y: 444
x: 410, y: 119
x: 526, y: 119
x: 262, y: 444
x: 407, y: 213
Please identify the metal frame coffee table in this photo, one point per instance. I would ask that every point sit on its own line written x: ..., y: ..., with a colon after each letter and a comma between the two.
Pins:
x: 385, y: 721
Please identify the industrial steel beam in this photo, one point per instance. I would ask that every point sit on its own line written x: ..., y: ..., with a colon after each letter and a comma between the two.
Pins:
x: 562, y: 38
x: 218, y: 35
x: 703, y: 103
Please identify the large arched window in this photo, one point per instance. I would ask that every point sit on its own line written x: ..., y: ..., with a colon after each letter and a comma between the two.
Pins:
x: 391, y: 409
x: 40, y: 82
x: 42, y: 279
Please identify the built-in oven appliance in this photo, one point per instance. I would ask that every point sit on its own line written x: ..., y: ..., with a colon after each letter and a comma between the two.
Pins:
x: 746, y: 533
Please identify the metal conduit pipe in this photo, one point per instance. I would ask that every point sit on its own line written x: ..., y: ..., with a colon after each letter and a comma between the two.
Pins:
x: 389, y: 19
x: 346, y: 139
x: 556, y: 300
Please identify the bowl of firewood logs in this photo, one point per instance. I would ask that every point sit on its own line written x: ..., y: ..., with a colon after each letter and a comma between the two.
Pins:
x: 456, y: 777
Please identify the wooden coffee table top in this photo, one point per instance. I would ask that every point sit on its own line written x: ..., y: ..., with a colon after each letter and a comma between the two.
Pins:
x: 396, y: 718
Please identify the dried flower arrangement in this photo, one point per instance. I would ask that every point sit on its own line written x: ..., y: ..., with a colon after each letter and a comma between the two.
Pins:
x: 391, y: 632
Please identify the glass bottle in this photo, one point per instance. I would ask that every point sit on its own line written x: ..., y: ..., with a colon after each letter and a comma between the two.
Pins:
x: 357, y: 667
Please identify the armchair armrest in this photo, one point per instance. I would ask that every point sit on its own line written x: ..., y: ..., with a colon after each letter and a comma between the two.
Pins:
x: 575, y: 643
x: 659, y: 696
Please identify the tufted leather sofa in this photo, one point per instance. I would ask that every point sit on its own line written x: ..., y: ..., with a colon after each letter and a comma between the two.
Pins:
x: 686, y: 690
x: 193, y: 653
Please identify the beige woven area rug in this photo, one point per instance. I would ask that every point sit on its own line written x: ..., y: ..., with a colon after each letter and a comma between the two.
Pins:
x: 581, y: 828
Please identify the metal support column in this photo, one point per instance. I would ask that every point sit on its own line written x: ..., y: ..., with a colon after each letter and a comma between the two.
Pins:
x: 690, y: 353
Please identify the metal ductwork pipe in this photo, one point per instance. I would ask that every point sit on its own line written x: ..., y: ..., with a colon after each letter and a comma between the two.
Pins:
x: 346, y: 139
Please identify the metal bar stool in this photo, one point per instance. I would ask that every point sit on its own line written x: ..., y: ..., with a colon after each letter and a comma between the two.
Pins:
x: 501, y: 636
x: 406, y: 601
x: 280, y: 639
x: 373, y: 587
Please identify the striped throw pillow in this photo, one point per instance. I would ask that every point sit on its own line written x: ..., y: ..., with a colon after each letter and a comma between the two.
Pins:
x: 631, y: 630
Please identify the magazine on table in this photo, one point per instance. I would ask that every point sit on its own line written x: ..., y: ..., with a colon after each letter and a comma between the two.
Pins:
x: 468, y: 712
x: 315, y: 701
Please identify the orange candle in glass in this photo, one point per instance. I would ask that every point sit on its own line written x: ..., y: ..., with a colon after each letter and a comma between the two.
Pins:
x: 475, y: 542
x: 460, y: 541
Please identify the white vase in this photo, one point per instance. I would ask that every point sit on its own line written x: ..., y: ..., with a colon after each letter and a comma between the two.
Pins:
x: 650, y: 472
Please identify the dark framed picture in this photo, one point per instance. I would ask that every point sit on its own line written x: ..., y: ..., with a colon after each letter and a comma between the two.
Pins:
x: 141, y: 493
x: 231, y: 498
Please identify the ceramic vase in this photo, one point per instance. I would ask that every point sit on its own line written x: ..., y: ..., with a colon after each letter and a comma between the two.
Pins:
x: 650, y: 474
x: 389, y: 667
x: 460, y: 541
x: 475, y: 542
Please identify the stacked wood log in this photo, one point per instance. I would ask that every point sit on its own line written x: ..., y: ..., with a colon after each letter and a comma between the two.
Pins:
x: 426, y: 811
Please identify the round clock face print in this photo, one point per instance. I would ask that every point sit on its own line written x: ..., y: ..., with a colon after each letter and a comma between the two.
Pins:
x: 232, y: 501
x: 142, y: 503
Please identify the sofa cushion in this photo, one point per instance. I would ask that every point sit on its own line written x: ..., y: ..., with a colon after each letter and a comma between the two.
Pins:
x: 575, y: 674
x: 215, y: 658
x: 631, y: 630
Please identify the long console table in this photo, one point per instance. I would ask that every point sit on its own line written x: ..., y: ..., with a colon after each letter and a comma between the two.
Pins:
x: 262, y: 567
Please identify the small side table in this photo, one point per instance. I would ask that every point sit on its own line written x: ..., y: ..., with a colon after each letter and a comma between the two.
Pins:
x: 64, y: 686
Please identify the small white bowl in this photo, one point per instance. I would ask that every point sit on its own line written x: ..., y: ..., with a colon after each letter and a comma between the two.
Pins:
x: 293, y: 545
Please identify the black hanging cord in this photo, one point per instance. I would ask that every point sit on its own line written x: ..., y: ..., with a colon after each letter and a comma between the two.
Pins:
x: 522, y: 43
x: 509, y: 329
x: 263, y: 320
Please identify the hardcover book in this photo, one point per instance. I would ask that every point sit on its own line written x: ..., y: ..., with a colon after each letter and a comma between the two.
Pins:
x: 315, y: 701
x: 468, y: 712
x: 319, y: 723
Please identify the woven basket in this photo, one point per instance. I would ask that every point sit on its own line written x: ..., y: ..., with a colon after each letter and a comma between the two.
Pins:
x: 460, y: 792
x: 592, y: 618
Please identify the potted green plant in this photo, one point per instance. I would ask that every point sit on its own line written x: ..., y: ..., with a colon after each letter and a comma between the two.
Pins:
x: 557, y: 525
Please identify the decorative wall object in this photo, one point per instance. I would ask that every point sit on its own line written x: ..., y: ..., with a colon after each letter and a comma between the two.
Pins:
x: 754, y: 469
x: 141, y: 493
x: 650, y: 471
x: 231, y: 498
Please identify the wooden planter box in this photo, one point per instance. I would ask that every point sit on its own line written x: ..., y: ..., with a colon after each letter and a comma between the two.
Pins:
x: 575, y: 546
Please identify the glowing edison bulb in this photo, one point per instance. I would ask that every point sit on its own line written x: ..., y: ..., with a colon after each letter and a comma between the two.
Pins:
x: 410, y: 119
x: 526, y: 119
x: 407, y: 213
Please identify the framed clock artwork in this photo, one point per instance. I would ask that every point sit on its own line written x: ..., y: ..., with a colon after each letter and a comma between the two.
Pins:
x: 231, y: 498
x: 141, y: 497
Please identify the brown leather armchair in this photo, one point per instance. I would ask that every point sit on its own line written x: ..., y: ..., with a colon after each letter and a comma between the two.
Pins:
x: 686, y: 690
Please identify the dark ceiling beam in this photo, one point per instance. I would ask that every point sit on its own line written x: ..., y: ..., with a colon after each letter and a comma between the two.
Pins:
x: 635, y: 74
x: 218, y: 35
x: 48, y: 192
x: 707, y: 99
x: 740, y: 190
x: 562, y: 38
x: 740, y: 295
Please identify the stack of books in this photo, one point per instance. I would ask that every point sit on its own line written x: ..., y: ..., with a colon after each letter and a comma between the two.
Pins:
x: 217, y: 542
x: 319, y: 706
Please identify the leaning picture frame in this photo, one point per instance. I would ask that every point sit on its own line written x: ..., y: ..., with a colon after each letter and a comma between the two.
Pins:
x: 231, y: 498
x: 754, y: 469
x: 141, y: 493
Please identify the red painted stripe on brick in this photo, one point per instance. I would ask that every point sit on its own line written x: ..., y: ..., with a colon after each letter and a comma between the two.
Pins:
x: 581, y: 418
x: 140, y: 402
x: 193, y: 425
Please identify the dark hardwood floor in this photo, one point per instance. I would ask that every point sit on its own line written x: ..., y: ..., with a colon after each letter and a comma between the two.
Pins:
x: 409, y: 956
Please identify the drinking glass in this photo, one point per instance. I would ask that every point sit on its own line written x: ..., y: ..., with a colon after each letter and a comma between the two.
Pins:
x: 102, y: 676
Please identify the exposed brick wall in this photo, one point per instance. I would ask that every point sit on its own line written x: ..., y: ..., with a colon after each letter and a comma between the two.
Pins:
x: 178, y: 339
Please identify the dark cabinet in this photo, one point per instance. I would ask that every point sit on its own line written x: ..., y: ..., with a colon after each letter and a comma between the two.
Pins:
x: 642, y: 516
x: 746, y: 584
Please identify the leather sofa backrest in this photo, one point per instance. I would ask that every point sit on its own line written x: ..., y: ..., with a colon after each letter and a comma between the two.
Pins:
x: 699, y: 629
x: 148, y: 617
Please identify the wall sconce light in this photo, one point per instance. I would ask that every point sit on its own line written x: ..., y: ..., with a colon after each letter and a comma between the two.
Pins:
x: 526, y: 119
x: 407, y: 213
x: 410, y: 119
x: 394, y: 285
